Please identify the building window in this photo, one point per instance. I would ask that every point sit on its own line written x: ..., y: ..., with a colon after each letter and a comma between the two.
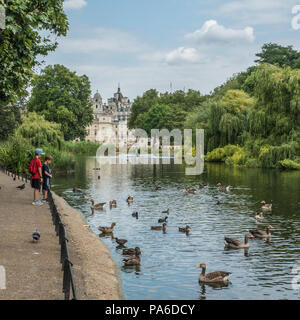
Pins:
x: 96, y: 106
x: 95, y: 132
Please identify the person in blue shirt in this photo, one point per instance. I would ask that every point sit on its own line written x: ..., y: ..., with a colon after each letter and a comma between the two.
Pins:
x: 47, y: 175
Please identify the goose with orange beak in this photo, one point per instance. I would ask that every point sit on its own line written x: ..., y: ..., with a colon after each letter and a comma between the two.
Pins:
x: 262, y: 234
x: 237, y: 244
x: 213, y: 277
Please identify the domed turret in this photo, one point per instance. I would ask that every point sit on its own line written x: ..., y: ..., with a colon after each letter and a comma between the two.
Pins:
x: 97, y: 97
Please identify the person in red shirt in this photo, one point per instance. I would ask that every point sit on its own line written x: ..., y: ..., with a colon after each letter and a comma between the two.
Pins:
x: 35, y: 169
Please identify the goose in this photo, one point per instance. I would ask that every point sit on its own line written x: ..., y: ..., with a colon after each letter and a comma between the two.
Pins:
x: 201, y: 185
x: 161, y: 220
x: 236, y: 244
x: 157, y: 187
x: 129, y: 199
x: 130, y: 251
x: 259, y: 216
x: 185, y: 230
x: 22, y: 187
x: 166, y: 211
x: 134, y: 260
x: 163, y: 227
x: 107, y: 229
x: 266, y: 207
x: 262, y: 234
x: 77, y: 190
x: 121, y: 242
x: 135, y: 215
x: 97, y: 206
x: 213, y: 277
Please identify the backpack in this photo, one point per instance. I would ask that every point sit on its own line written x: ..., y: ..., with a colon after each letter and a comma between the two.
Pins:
x: 33, y: 167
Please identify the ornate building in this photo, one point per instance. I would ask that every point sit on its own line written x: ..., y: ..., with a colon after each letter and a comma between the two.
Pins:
x: 110, y: 120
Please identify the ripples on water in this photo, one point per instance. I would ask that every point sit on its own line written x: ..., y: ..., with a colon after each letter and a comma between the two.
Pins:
x: 168, y: 268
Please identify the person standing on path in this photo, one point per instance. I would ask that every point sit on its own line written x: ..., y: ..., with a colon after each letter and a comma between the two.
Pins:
x: 47, y: 175
x: 35, y: 168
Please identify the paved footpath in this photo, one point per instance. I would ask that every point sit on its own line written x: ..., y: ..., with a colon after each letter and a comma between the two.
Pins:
x: 33, y: 270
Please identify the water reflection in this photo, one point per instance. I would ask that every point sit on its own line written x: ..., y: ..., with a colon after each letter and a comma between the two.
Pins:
x: 167, y: 265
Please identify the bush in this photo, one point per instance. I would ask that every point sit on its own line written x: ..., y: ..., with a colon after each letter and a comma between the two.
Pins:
x: 81, y: 147
x: 221, y: 154
x: 288, y: 164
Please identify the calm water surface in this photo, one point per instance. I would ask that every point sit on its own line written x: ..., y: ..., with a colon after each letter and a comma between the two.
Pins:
x: 168, y: 263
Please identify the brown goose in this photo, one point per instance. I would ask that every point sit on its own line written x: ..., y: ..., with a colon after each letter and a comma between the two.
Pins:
x: 107, y: 229
x: 134, y: 260
x: 213, y: 277
x: 266, y: 207
x: 113, y: 204
x: 185, y: 230
x: 236, y: 244
x: 188, y: 190
x: 163, y: 227
x: 97, y: 206
x: 262, y: 234
x: 223, y: 188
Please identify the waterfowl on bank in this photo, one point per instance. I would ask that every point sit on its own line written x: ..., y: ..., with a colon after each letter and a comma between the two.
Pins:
x: 266, y: 207
x: 166, y: 211
x: 131, y: 251
x: 76, y: 190
x: 185, y: 230
x: 135, y: 215
x: 259, y: 216
x: 236, y: 244
x: 213, y: 277
x: 97, y: 206
x: 262, y: 234
x: 129, y: 199
x: 107, y: 229
x: 113, y: 203
x: 161, y: 220
x: 134, y: 260
x: 163, y: 227
x: 121, y: 242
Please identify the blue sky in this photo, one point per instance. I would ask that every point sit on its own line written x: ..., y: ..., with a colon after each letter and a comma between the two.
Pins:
x: 194, y: 44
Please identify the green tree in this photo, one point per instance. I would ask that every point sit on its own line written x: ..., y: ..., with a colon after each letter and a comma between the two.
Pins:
x: 30, y: 27
x: 9, y: 118
x: 276, y: 54
x: 63, y: 97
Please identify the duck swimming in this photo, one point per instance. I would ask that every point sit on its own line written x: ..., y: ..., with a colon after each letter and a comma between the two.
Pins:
x: 188, y: 190
x: 163, y: 220
x: 107, y: 229
x: 98, y: 206
x: 135, y: 215
x: 131, y: 251
x: 262, y: 234
x: 77, y: 190
x: 223, y: 188
x: 236, y: 244
x: 129, y: 199
x: 166, y: 211
x: 185, y: 230
x: 213, y: 277
x: 259, y: 216
x: 134, y: 260
x: 113, y: 204
x: 163, y: 227
x: 121, y: 242
x: 266, y: 207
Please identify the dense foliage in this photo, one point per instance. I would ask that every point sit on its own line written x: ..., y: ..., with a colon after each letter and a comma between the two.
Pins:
x: 63, y: 97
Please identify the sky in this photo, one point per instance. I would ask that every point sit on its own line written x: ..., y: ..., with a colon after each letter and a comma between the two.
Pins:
x: 193, y: 44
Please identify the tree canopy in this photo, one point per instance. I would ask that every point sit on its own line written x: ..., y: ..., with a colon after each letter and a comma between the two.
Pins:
x: 30, y: 27
x: 62, y: 96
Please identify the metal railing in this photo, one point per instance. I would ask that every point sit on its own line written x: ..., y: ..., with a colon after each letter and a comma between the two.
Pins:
x: 68, y: 278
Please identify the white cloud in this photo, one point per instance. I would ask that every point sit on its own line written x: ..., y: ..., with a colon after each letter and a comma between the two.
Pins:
x: 74, y: 4
x: 182, y: 55
x: 102, y: 39
x: 258, y: 11
x: 212, y: 32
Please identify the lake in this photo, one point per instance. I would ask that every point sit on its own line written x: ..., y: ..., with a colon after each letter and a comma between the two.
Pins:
x: 168, y: 262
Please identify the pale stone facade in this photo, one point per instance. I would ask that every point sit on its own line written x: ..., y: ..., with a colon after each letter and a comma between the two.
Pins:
x: 110, y: 120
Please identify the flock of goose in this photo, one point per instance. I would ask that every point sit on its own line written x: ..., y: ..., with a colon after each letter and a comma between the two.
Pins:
x: 133, y: 255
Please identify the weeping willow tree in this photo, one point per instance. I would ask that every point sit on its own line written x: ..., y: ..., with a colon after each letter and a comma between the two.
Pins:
x: 40, y: 132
